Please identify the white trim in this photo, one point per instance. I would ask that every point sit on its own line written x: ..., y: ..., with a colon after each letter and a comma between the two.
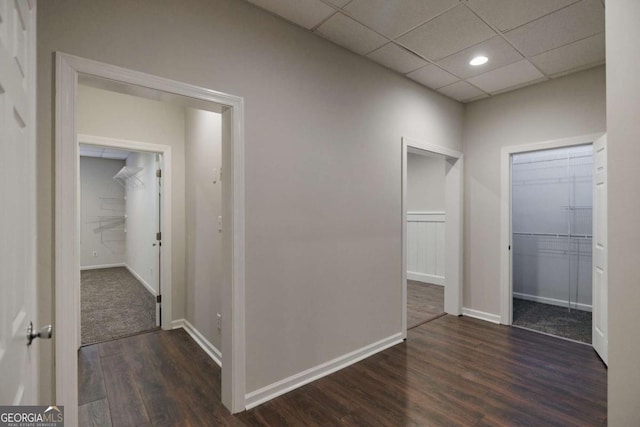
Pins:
x: 477, y: 314
x: 98, y: 267
x: 144, y: 282
x: 432, y: 148
x: 454, y: 208
x: 552, y: 301
x: 67, y: 266
x: 425, y: 278
x: 426, y: 217
x: 286, y: 385
x: 204, y: 343
x: 506, y: 285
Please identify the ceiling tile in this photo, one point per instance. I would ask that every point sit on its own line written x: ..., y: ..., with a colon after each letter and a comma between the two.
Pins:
x: 306, y: 13
x: 499, y: 52
x: 567, y: 25
x: 339, y: 3
x: 449, y: 33
x: 477, y: 98
x: 395, y: 17
x: 508, y: 14
x: 354, y: 36
x: 461, y: 91
x: 398, y: 58
x: 432, y: 77
x: 575, y: 55
x: 506, y: 77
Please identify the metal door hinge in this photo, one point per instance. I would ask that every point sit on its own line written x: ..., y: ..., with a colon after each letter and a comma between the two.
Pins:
x: 159, y: 235
x: 159, y: 299
x: 159, y: 173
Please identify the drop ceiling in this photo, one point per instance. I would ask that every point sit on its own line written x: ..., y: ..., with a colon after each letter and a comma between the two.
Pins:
x: 432, y: 41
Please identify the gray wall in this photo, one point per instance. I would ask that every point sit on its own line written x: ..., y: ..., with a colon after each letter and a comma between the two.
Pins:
x: 623, y: 105
x: 96, y: 184
x: 142, y: 210
x: 323, y: 131
x: 569, y: 106
x: 425, y: 183
x: 203, y: 154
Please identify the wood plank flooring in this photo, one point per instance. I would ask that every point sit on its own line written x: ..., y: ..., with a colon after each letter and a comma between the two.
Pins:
x: 451, y: 371
x: 424, y: 302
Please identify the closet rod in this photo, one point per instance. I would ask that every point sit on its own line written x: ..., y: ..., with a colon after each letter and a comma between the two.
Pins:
x: 577, y: 236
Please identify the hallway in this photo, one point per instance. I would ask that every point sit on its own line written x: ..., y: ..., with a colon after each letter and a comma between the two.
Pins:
x: 451, y: 371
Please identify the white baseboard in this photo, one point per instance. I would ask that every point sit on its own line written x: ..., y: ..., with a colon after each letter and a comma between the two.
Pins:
x: 97, y: 267
x: 204, y: 343
x: 283, y: 386
x: 141, y: 280
x: 476, y: 314
x: 552, y: 301
x: 425, y: 278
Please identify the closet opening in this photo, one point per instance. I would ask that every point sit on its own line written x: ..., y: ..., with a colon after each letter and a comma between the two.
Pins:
x: 551, y: 241
x: 120, y: 230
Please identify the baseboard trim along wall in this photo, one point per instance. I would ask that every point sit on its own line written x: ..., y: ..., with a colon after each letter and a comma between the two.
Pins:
x: 425, y: 278
x: 204, y: 343
x: 552, y: 301
x: 141, y: 280
x: 286, y: 385
x: 477, y: 314
x: 97, y: 267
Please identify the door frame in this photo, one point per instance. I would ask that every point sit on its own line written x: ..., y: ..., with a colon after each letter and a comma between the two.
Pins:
x: 506, y: 255
x: 165, y: 278
x: 454, y: 214
x: 68, y: 70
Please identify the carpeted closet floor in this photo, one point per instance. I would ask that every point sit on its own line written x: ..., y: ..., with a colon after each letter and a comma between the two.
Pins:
x: 114, y: 304
x: 552, y: 319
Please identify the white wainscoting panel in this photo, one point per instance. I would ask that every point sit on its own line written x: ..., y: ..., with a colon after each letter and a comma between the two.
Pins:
x: 425, y: 247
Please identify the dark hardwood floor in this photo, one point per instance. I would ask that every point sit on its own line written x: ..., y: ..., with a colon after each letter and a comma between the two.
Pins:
x: 450, y: 371
x: 424, y: 302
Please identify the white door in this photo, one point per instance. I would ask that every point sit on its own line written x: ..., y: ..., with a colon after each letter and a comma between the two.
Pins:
x: 17, y: 201
x: 600, y: 249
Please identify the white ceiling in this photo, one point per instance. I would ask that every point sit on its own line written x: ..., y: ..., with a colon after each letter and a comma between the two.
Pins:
x: 432, y: 41
x: 104, y: 153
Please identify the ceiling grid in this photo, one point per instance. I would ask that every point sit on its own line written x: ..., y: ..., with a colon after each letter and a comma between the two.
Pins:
x: 432, y: 41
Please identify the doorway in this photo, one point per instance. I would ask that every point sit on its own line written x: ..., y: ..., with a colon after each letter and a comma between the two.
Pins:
x: 120, y: 230
x: 425, y: 237
x: 584, y: 230
x: 551, y: 223
x: 70, y: 72
x: 450, y: 236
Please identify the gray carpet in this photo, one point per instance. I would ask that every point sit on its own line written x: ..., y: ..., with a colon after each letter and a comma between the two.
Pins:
x: 114, y: 304
x: 551, y: 319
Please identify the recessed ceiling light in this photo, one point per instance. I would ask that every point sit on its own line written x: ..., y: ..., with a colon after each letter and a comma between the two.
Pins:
x: 479, y: 60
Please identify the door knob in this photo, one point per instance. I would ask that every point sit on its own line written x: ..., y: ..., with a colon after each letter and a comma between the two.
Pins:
x: 45, y: 333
